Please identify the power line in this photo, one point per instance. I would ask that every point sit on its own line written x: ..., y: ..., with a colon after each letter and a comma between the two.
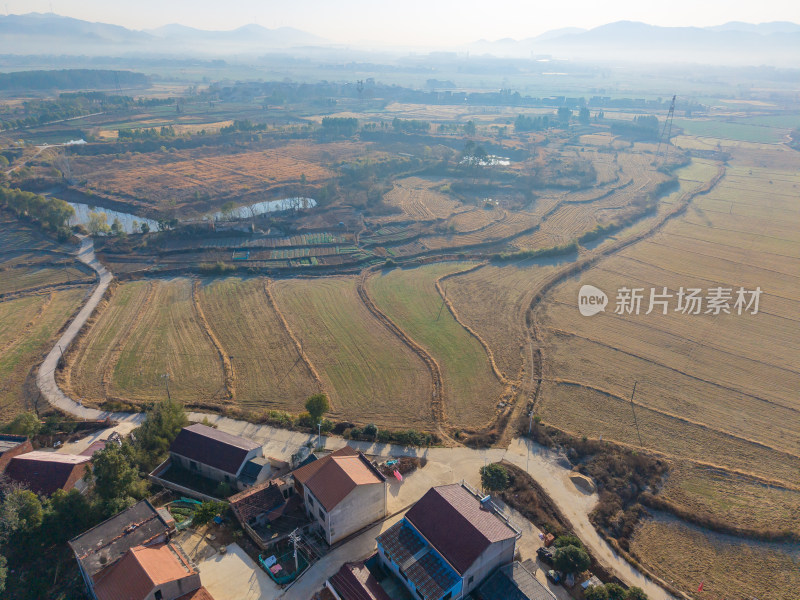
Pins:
x: 633, y: 408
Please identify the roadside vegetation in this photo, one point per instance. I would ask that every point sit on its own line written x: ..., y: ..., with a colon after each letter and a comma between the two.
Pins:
x: 35, y: 561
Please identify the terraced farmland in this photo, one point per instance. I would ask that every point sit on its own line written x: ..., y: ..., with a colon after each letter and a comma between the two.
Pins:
x: 410, y: 299
x: 163, y: 336
x: 269, y: 371
x: 370, y: 376
x: 715, y: 392
x: 28, y: 328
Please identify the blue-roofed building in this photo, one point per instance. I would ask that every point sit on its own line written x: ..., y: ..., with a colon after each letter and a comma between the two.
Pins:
x: 448, y: 542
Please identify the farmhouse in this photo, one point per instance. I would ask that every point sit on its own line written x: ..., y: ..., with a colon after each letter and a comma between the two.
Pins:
x: 354, y: 581
x: 45, y: 472
x: 514, y: 582
x: 220, y: 456
x: 447, y: 543
x: 156, y: 572
x: 342, y: 492
x: 11, y: 446
x: 102, y: 546
x: 268, y: 511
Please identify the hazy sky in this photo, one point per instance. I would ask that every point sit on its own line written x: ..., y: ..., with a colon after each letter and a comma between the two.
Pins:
x: 412, y: 22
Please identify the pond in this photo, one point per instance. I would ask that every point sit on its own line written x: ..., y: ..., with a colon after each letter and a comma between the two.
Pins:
x: 240, y: 212
x: 126, y: 219
x: 259, y: 208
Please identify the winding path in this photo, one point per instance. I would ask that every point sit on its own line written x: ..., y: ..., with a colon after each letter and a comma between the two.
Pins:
x: 455, y: 463
x: 46, y: 376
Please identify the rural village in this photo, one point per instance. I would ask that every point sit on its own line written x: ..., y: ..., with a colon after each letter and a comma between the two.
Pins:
x: 281, y: 318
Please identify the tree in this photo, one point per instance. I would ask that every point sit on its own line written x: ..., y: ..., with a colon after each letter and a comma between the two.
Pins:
x: 469, y: 128
x: 571, y: 559
x: 317, y: 405
x: 564, y: 114
x: 371, y: 431
x: 98, y: 223
x: 494, y: 477
x: 583, y: 115
x: 635, y: 593
x: 596, y: 592
x: 568, y: 540
x: 116, y: 227
x: 116, y: 479
x: 3, y: 572
x: 207, y: 511
x: 22, y: 511
x: 144, y: 228
x: 615, y: 591
x: 160, y: 428
x: 66, y: 515
x: 26, y: 424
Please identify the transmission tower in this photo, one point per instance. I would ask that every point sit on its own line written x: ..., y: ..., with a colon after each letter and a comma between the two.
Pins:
x: 667, y: 130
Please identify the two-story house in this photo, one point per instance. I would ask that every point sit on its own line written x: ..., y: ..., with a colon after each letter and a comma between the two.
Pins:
x: 447, y: 543
x: 343, y: 492
x: 131, y: 556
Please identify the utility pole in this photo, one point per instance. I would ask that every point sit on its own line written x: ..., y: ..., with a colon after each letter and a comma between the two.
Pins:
x: 165, y: 377
x: 294, y: 536
x: 319, y: 434
x: 633, y: 408
x: 444, y: 294
x: 667, y: 122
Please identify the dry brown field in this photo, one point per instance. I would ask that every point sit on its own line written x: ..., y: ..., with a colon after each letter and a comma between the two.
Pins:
x: 28, y: 328
x: 269, y: 371
x: 186, y: 179
x: 728, y: 567
x: 420, y: 199
x: 715, y: 393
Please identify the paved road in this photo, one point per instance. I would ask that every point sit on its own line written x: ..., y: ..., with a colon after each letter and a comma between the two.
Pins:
x: 445, y: 465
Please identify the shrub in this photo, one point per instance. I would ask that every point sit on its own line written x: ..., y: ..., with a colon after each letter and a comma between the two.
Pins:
x: 208, y: 510
x: 597, y: 592
x: 494, y: 477
x: 568, y: 540
x: 371, y: 431
x: 571, y: 559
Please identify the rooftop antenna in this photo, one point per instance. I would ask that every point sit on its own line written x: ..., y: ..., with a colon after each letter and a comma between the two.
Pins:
x: 668, y: 130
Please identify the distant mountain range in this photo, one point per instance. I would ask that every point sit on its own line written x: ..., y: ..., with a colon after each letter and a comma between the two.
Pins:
x: 775, y: 43
x: 734, y: 43
x: 37, y: 33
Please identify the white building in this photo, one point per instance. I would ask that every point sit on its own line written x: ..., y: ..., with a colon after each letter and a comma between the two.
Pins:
x: 343, y: 492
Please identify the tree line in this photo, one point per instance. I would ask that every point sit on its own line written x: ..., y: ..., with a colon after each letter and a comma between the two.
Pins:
x: 50, y: 213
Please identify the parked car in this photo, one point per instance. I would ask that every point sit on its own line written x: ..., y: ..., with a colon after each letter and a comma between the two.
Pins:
x: 545, y: 555
x: 554, y: 576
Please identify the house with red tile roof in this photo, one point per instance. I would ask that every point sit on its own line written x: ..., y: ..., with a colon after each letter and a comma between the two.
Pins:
x: 156, y: 572
x: 447, y: 543
x: 45, y: 472
x: 131, y: 557
x: 343, y: 492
